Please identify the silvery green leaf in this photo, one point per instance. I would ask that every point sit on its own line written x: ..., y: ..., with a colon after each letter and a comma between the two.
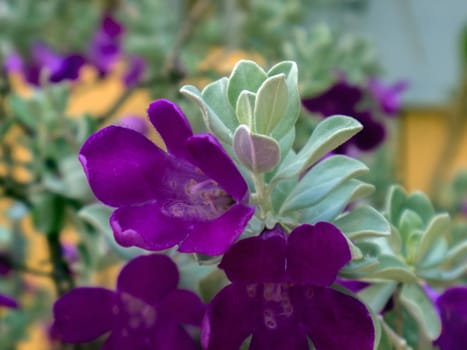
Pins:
x: 369, y: 261
x: 395, y: 202
x: 419, y: 202
x: 23, y: 110
x: 74, y: 179
x: 390, y: 340
x: 98, y: 216
x: 191, y: 275
x: 420, y: 306
x: 6, y: 235
x: 271, y: 104
x: 289, y: 69
x: 48, y: 212
x: 436, y: 228
x: 409, y: 222
x: 254, y: 228
x: 328, y: 134
x: 391, y: 268
x: 215, y: 96
x: 363, y: 222
x: 322, y: 179
x: 281, y: 190
x: 17, y: 211
x: 245, y: 107
x: 246, y: 75
x: 333, y: 204
x: 355, y: 252
x: 435, y: 256
x: 258, y: 153
x: 443, y: 275
x: 377, y: 295
x: 285, y: 144
x: 457, y: 254
x: 212, y: 121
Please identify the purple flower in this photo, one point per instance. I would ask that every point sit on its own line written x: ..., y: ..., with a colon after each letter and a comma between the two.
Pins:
x: 452, y: 307
x: 280, y: 294
x: 192, y: 195
x: 343, y: 98
x: 59, y: 67
x: 145, y: 312
x: 388, y: 96
x: 135, y: 71
x: 8, y: 302
x: 105, y: 48
x: 135, y: 123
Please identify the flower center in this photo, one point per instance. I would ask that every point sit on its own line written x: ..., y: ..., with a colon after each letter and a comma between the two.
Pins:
x: 203, y: 200
x: 138, y: 313
x: 275, y: 300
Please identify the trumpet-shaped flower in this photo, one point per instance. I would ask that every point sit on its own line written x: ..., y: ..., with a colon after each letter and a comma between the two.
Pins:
x: 106, y: 45
x: 452, y: 307
x: 280, y: 295
x: 59, y: 67
x: 145, y: 312
x: 192, y: 195
x: 344, y: 98
x: 388, y: 96
x: 7, y: 301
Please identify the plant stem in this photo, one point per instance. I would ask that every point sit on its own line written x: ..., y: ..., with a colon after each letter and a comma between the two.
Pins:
x: 61, y: 273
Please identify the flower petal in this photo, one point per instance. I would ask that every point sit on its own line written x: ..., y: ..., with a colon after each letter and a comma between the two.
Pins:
x: 316, y: 253
x: 452, y: 306
x: 172, y: 125
x: 229, y: 320
x: 83, y: 314
x: 123, y: 167
x: 161, y: 336
x: 208, y: 154
x: 147, y: 227
x: 216, y: 236
x: 135, y: 71
x: 257, y: 259
x: 286, y: 337
x: 68, y: 69
x: 373, y: 133
x: 149, y: 278
x: 173, y: 337
x: 7, y: 301
x: 335, y: 320
x: 183, y: 306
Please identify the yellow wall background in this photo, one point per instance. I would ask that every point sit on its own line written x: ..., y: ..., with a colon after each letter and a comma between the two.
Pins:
x: 424, y: 132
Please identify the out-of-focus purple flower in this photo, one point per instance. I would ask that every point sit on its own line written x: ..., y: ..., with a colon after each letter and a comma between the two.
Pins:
x: 192, y: 195
x: 340, y: 98
x: 70, y: 253
x: 14, y: 63
x: 452, y: 307
x: 106, y: 46
x: 280, y: 294
x: 135, y: 123
x: 344, y: 98
x: 388, y: 96
x: 59, y: 67
x: 8, y: 302
x: 135, y: 71
x: 145, y: 312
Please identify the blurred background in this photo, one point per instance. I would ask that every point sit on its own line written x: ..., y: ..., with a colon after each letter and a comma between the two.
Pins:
x: 71, y: 67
